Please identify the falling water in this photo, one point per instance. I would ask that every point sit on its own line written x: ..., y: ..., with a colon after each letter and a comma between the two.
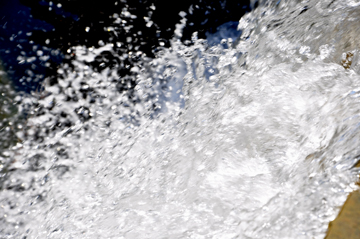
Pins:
x: 251, y: 136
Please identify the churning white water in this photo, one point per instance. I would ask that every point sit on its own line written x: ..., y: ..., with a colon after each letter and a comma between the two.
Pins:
x: 253, y: 137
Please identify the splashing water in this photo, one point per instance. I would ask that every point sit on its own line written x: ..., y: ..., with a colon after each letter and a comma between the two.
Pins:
x: 251, y: 138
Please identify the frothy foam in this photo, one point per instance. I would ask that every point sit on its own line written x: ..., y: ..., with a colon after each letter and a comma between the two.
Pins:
x: 253, y: 140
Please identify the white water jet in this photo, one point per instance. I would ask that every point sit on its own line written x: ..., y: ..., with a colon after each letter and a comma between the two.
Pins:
x: 252, y: 138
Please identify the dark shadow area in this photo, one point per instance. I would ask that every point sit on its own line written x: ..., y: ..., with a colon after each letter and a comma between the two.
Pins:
x: 42, y: 32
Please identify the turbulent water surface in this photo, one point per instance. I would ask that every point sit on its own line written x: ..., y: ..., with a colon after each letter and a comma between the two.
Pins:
x: 251, y: 136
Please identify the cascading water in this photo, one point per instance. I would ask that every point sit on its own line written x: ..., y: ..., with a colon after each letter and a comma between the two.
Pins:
x: 252, y: 137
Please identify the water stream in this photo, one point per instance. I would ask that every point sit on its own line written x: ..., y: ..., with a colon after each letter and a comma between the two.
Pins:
x: 251, y: 136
